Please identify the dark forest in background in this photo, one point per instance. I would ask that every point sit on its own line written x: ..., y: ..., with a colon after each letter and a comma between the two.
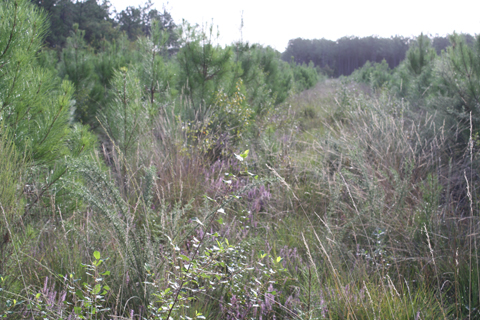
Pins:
x: 342, y: 57
x: 101, y: 21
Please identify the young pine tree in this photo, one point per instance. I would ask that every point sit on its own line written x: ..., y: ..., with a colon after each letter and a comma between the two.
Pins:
x: 77, y: 66
x: 125, y: 119
x: 205, y: 68
x: 156, y: 71
x: 414, y: 77
x: 459, y: 70
x: 34, y: 104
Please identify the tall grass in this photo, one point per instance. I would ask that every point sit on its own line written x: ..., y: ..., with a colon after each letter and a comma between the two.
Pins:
x: 373, y: 185
x: 348, y: 205
x: 12, y: 168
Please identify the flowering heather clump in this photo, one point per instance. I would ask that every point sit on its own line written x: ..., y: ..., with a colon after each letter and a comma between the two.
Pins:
x: 291, y: 258
x: 258, y: 198
x: 217, y: 179
x: 50, y: 294
x: 237, y: 309
x: 222, y: 179
x: 266, y: 306
x: 51, y: 300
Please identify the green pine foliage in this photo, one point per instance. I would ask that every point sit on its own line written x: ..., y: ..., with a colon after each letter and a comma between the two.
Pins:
x: 205, y: 67
x: 77, y: 65
x: 157, y: 71
x: 376, y: 75
x: 306, y: 77
x: 420, y: 55
x: 258, y: 92
x: 278, y: 76
x: 90, y: 15
x: 127, y: 116
x: 26, y: 104
x: 458, y: 70
x: 416, y: 73
x: 34, y: 104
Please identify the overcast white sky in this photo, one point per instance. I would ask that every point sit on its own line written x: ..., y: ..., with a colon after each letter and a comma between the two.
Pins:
x: 275, y: 22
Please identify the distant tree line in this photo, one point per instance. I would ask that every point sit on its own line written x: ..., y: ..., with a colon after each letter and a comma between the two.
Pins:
x: 445, y: 84
x: 342, y: 57
x: 100, y: 22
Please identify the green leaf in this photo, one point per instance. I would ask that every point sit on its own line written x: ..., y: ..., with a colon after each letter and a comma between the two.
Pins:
x: 79, y: 294
x: 242, y: 156
x: 185, y: 258
x: 96, y: 289
x: 96, y: 254
x: 78, y: 310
